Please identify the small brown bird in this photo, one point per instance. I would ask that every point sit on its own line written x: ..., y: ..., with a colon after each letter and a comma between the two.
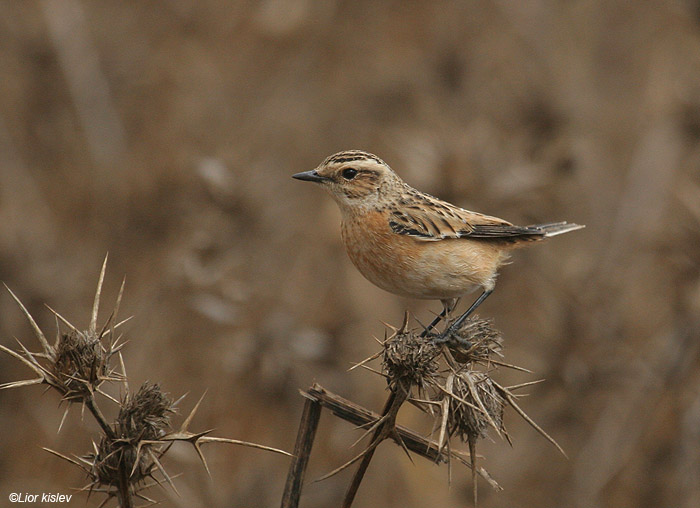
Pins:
x: 413, y: 244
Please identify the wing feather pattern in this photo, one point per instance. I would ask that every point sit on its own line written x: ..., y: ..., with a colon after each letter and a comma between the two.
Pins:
x: 431, y: 219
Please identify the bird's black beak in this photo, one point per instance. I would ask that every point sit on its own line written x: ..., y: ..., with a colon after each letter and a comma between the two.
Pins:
x: 311, y: 176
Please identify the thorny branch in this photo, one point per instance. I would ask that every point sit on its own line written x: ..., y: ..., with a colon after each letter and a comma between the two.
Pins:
x: 452, y: 382
x: 131, y: 448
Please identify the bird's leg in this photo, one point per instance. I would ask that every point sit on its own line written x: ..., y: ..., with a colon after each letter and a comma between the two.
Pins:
x: 447, y: 334
x: 447, y: 307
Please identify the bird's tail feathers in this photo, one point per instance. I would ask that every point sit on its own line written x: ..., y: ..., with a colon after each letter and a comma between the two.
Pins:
x: 557, y: 228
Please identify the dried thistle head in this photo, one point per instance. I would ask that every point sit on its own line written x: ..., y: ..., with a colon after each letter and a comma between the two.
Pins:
x: 132, y: 448
x: 78, y: 362
x: 474, y: 405
x: 484, y: 339
x: 409, y: 358
x: 143, y: 417
x: 111, y: 456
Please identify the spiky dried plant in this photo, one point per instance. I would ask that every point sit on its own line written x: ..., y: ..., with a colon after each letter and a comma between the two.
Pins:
x: 410, y: 359
x: 456, y: 377
x: 143, y: 416
x: 130, y: 449
x: 474, y: 405
x: 79, y: 361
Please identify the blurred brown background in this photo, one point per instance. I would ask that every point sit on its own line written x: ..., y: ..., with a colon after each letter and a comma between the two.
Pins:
x: 166, y: 132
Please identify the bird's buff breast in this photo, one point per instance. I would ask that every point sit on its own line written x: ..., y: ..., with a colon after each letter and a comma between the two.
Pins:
x: 414, y: 268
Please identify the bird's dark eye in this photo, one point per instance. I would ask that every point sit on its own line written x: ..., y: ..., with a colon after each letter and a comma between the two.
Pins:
x: 349, y: 173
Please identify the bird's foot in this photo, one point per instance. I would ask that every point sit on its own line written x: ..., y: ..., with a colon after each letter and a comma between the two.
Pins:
x: 451, y: 336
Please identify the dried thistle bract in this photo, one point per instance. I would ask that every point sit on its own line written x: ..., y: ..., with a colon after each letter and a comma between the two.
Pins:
x: 474, y: 406
x: 409, y: 358
x: 483, y: 339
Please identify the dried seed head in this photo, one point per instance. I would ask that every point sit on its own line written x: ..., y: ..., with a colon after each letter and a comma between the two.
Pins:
x: 80, y: 364
x: 78, y: 361
x: 484, y: 338
x: 475, y: 405
x: 112, y: 454
x: 144, y: 416
x: 409, y: 358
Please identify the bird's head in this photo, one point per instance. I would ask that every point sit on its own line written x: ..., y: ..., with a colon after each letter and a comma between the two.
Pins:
x: 355, y: 179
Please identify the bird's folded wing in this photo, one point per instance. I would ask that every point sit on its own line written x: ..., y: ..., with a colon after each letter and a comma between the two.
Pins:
x: 437, y: 220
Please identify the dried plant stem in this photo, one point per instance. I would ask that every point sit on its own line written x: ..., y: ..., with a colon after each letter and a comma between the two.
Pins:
x: 472, y: 458
x: 302, y: 452
x: 97, y: 413
x: 385, y: 428
x: 358, y: 415
x: 124, y: 494
x: 123, y: 491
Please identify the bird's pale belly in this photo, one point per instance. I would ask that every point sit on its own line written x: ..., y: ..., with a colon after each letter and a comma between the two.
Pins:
x: 414, y: 268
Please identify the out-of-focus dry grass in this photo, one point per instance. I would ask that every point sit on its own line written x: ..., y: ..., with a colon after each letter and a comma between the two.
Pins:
x: 166, y: 132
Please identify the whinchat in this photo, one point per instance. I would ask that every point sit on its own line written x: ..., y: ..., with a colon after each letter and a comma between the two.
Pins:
x: 413, y: 244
